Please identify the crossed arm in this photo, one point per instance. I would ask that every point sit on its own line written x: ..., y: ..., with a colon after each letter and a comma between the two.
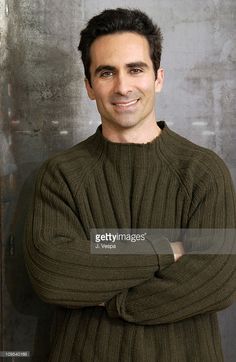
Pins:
x: 178, y: 251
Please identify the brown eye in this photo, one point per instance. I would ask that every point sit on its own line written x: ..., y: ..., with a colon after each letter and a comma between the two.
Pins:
x: 136, y: 71
x: 106, y: 74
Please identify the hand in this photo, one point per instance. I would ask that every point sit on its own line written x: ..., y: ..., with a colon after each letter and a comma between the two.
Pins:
x: 178, y: 249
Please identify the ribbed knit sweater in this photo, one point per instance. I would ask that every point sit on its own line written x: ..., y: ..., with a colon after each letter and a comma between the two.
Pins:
x: 156, y: 309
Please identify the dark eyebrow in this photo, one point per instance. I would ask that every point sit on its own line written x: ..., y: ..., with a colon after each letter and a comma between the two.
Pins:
x: 137, y: 65
x: 112, y: 68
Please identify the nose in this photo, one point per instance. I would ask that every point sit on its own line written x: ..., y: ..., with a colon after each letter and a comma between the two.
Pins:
x: 122, y: 84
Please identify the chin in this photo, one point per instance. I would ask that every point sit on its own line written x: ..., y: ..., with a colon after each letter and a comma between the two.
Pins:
x: 126, y: 123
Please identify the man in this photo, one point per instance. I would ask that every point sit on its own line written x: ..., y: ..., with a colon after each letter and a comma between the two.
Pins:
x: 134, y: 172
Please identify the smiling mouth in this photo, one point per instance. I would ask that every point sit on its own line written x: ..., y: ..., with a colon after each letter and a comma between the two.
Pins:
x: 125, y: 104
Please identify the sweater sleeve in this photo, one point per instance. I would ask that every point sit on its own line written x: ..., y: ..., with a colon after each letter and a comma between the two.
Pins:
x: 196, y: 283
x: 57, y: 253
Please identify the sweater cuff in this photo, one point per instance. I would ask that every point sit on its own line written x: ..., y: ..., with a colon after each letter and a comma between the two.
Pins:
x: 111, y: 308
x: 165, y: 260
x: 114, y: 306
x: 163, y: 250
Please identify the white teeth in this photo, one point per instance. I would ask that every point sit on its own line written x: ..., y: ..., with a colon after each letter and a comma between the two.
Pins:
x: 126, y: 104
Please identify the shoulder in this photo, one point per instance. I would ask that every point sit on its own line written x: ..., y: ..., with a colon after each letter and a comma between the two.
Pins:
x: 195, y: 165
x: 73, y: 164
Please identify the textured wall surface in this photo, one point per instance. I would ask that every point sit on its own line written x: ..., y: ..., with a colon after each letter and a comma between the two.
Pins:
x: 44, y: 109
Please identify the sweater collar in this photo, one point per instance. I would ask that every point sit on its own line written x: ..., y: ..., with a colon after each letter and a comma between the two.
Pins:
x: 105, y: 142
x: 129, y: 152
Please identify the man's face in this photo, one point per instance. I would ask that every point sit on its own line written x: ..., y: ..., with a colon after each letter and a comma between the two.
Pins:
x: 122, y: 80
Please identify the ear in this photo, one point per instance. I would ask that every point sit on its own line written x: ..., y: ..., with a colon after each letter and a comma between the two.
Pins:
x: 160, y: 80
x: 89, y: 89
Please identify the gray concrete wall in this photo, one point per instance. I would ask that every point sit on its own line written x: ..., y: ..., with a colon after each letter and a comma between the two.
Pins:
x: 44, y: 108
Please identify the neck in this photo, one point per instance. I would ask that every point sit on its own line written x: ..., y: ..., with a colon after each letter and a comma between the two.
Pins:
x: 143, y: 133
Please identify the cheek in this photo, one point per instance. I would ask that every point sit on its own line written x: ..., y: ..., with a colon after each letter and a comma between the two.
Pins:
x: 147, y: 85
x: 102, y: 93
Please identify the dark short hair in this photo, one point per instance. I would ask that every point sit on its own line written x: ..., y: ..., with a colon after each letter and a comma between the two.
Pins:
x: 119, y: 20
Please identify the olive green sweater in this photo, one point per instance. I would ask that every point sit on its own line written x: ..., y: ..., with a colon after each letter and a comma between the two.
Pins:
x: 156, y: 309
